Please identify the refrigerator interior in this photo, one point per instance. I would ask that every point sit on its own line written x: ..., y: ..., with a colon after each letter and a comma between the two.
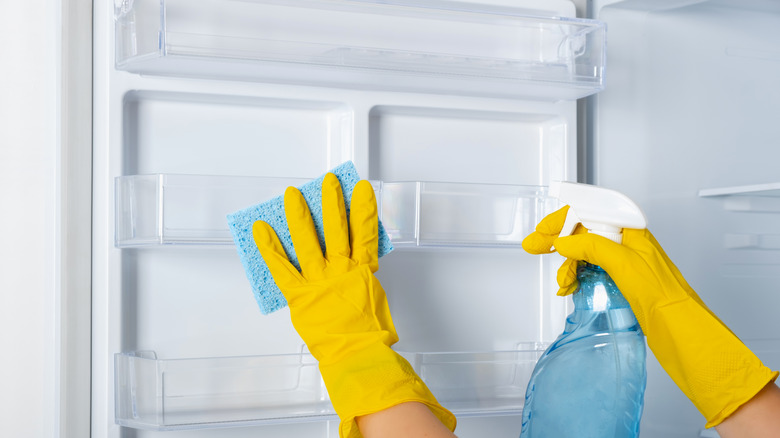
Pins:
x: 687, y: 128
x: 460, y: 121
x: 195, y: 118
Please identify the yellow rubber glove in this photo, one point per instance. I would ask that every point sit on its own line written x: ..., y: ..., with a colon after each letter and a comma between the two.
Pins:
x: 338, y: 306
x: 714, y: 369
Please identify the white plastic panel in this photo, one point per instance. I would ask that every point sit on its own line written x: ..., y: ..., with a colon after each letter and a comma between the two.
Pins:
x: 196, y: 133
x: 195, y: 303
x: 419, y: 143
x: 429, y: 46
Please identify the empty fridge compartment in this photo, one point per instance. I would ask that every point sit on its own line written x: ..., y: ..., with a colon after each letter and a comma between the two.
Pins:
x: 166, y: 131
x: 161, y: 394
x: 450, y: 214
x: 174, y: 394
x: 164, y: 209
x: 479, y: 383
x: 171, y: 209
x: 426, y: 46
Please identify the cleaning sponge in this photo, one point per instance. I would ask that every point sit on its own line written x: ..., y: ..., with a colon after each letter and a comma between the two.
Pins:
x: 266, y: 292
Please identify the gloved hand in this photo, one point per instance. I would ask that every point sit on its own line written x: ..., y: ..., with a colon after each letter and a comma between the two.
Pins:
x: 714, y: 369
x: 338, y: 306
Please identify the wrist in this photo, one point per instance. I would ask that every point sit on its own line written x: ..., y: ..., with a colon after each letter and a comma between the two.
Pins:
x: 374, y: 379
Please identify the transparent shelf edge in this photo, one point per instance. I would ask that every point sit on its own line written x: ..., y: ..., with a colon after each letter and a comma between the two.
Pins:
x: 170, y: 209
x: 767, y: 189
x: 448, y: 47
x: 206, y: 393
x: 753, y: 198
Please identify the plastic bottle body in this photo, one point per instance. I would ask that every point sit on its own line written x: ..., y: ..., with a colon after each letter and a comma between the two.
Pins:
x: 590, y: 382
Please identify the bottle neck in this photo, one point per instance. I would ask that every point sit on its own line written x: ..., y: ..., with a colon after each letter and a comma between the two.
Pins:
x: 597, y: 291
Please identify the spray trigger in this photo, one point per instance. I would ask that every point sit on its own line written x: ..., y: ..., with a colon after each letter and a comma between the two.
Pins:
x: 602, y: 211
x: 569, y: 225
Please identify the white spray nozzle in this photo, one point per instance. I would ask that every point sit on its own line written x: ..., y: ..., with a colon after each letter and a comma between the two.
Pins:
x: 602, y: 211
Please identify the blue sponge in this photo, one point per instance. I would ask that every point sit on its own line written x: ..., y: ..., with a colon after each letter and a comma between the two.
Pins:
x: 266, y: 292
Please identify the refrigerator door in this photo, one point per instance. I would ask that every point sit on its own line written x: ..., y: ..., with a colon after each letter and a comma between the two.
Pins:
x: 687, y: 128
x: 460, y: 114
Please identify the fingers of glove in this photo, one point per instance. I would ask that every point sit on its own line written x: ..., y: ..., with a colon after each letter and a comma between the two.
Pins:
x: 541, y: 240
x: 334, y: 218
x: 620, y: 261
x: 364, y: 224
x: 304, y: 235
x: 272, y: 251
x: 567, y: 277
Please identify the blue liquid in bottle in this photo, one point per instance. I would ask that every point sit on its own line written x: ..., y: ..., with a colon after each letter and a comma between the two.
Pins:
x: 590, y: 382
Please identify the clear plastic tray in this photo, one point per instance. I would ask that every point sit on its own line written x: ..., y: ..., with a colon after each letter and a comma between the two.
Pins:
x: 422, y: 214
x: 186, y: 209
x: 426, y: 46
x: 479, y: 383
x: 162, y: 394
x: 167, y: 209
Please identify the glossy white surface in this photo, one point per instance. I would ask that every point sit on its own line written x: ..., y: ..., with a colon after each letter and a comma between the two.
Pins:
x: 194, y: 302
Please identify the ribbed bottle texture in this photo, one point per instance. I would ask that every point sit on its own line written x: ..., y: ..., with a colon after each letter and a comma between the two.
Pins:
x: 590, y: 382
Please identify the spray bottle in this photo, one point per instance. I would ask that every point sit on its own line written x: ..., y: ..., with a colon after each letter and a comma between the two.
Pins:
x: 590, y: 382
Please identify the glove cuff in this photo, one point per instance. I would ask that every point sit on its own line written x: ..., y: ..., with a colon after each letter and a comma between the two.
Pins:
x: 705, y: 359
x: 372, y: 380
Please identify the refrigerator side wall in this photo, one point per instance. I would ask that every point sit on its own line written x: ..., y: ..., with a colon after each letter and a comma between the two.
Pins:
x: 45, y: 173
x: 691, y: 108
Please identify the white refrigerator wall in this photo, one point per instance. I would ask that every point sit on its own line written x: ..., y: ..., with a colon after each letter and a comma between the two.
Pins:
x: 28, y: 120
x: 195, y: 302
x: 687, y: 127
x: 45, y: 133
